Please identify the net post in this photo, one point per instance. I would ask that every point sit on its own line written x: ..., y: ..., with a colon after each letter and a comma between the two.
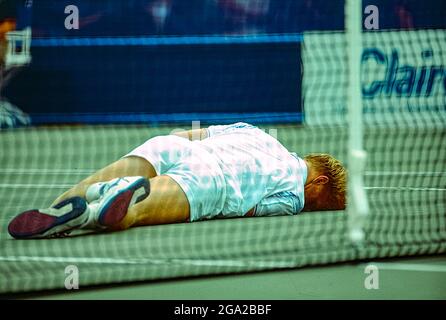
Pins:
x: 357, y: 201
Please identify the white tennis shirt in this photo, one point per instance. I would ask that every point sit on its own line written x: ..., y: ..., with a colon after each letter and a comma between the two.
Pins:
x: 258, y: 170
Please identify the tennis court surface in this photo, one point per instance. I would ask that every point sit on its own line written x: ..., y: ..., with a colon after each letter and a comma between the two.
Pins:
x: 416, y: 278
x: 46, y: 161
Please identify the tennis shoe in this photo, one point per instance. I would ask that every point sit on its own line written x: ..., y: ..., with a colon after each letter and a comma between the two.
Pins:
x: 110, y: 201
x: 56, y: 221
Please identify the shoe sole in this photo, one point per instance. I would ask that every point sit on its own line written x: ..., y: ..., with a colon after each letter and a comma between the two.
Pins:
x: 117, y: 206
x: 38, y: 224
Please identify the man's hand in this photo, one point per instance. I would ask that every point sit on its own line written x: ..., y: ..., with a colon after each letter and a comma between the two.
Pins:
x: 196, y: 134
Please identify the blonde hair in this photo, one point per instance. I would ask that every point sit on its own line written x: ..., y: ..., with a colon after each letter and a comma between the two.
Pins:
x: 326, y: 164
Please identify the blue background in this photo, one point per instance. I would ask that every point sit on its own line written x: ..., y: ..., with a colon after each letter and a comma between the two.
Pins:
x: 207, y: 56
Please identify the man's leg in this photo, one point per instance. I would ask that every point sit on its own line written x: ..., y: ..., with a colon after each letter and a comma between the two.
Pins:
x: 71, y: 210
x: 166, y: 203
x: 125, y: 167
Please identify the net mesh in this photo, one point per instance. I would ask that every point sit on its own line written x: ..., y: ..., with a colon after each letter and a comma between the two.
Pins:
x: 405, y: 176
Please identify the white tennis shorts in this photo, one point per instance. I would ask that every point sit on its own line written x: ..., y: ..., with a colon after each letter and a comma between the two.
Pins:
x: 192, y: 167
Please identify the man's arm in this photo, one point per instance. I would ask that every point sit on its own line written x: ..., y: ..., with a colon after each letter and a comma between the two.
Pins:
x: 211, y: 131
x: 279, y: 204
x: 196, y: 134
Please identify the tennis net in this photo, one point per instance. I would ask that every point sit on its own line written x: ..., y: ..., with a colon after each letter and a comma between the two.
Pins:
x: 304, y: 79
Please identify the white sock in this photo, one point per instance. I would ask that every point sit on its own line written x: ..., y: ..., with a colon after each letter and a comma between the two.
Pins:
x: 91, y: 222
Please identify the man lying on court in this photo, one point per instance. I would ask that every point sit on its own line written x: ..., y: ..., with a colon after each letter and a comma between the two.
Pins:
x: 221, y: 171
